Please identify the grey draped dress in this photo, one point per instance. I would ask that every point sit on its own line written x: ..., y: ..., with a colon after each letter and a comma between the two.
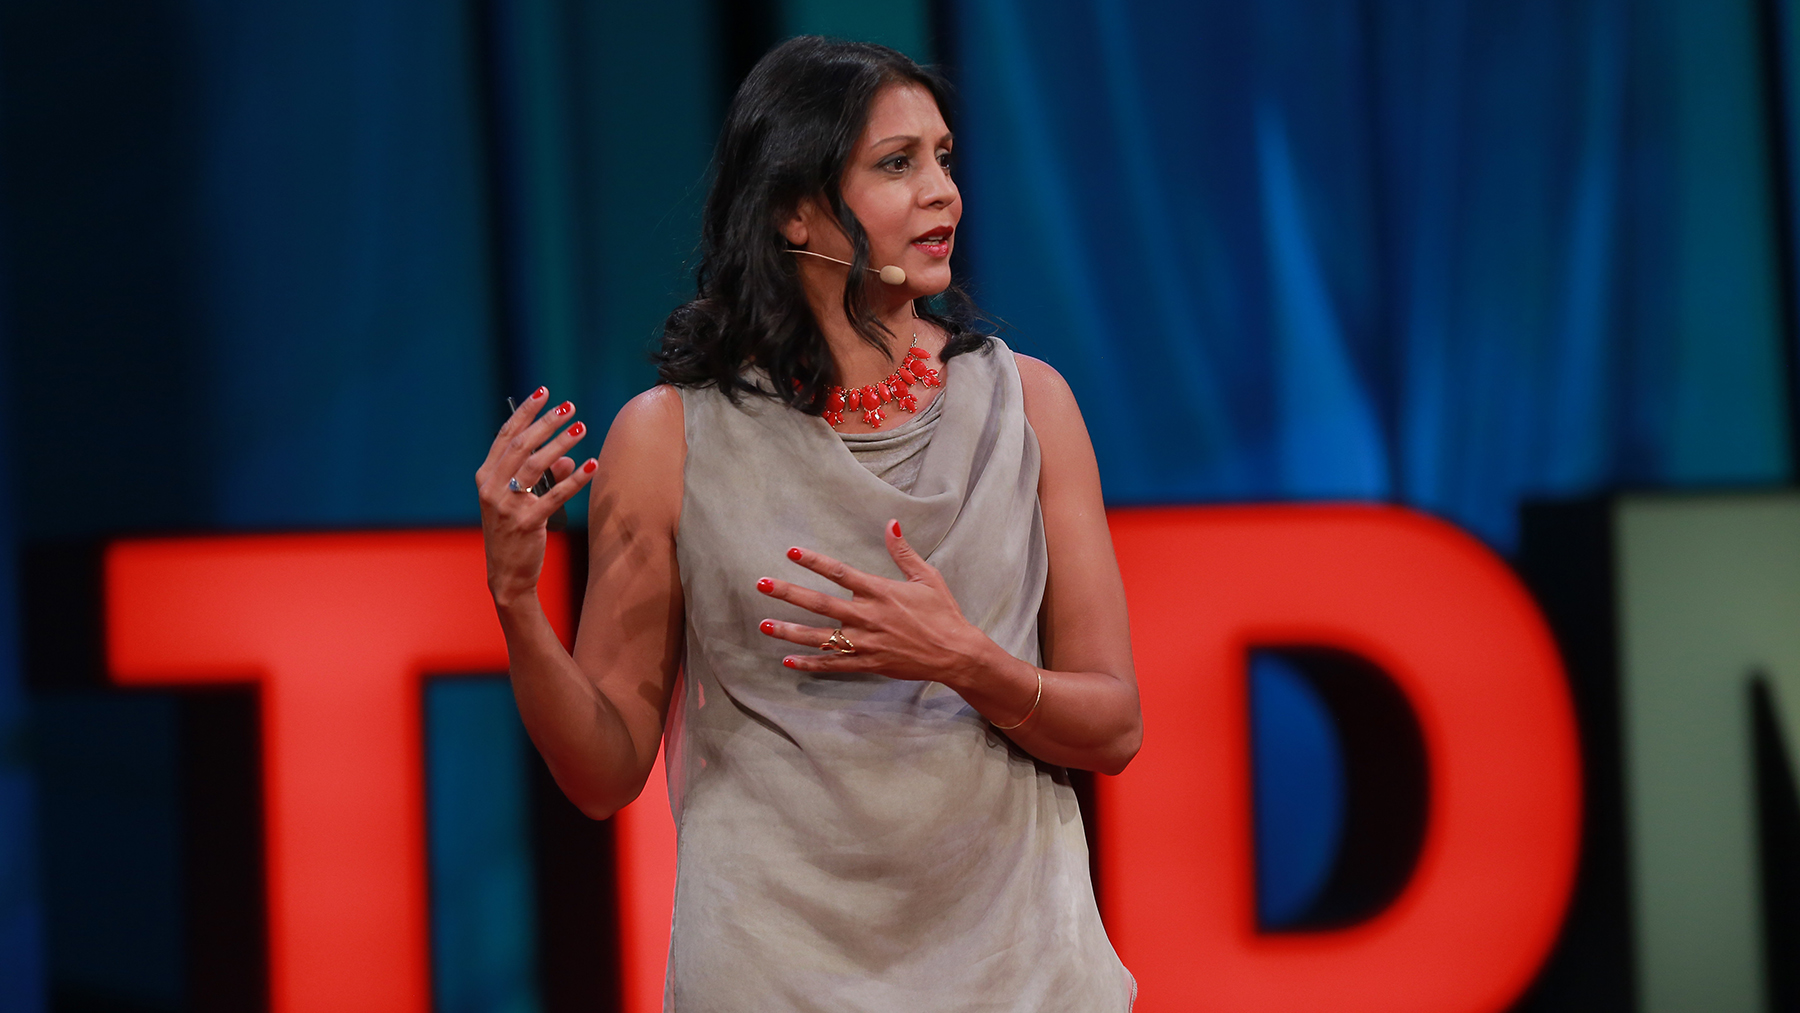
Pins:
x: 853, y: 842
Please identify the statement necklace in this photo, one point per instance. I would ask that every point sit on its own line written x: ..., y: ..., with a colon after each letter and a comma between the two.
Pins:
x: 895, y: 388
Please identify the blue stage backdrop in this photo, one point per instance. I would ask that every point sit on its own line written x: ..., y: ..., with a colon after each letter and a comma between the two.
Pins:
x: 252, y: 290
x: 275, y: 267
x: 21, y: 916
x: 1451, y: 254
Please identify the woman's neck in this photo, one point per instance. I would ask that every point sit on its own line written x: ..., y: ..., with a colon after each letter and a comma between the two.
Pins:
x: 857, y: 361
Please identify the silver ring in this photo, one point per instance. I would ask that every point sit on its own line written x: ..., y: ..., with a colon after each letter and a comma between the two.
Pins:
x: 513, y: 484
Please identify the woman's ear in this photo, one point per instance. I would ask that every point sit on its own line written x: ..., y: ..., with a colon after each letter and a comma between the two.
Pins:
x: 795, y: 228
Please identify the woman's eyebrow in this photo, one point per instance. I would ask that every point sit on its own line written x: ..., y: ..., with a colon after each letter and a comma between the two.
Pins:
x: 909, y: 138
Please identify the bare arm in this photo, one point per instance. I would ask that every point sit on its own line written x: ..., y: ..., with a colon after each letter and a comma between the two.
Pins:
x: 1088, y: 715
x: 597, y: 715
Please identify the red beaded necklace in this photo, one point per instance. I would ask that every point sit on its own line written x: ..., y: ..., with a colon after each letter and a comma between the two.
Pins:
x: 869, y: 399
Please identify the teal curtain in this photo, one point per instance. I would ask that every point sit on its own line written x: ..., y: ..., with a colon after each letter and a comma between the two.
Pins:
x: 604, y: 121
x: 250, y: 288
x: 1451, y: 254
x: 277, y: 268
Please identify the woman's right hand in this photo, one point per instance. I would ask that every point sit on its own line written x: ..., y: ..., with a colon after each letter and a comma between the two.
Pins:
x: 513, y: 523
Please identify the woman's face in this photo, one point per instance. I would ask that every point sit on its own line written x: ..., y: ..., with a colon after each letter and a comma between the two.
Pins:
x: 898, y: 184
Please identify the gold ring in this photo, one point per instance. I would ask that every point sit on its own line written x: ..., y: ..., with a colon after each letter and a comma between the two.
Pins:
x: 839, y: 643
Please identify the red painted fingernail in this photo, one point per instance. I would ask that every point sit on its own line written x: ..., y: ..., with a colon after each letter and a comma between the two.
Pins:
x: 765, y: 585
x: 577, y: 429
x: 789, y: 662
x: 540, y: 392
x: 895, y: 527
x: 565, y: 408
x: 590, y: 466
x: 768, y: 626
x: 794, y: 554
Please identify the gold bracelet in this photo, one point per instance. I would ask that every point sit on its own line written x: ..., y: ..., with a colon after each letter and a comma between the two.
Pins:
x: 1034, y: 706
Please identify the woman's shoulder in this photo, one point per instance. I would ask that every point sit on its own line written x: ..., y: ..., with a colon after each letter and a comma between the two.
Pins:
x: 653, y: 417
x: 1044, y: 387
x: 1056, y: 421
x: 642, y: 460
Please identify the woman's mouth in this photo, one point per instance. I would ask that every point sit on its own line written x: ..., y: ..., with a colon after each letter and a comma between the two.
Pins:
x: 935, y: 243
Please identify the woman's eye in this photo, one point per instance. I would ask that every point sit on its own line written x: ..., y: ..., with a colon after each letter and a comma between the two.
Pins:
x: 945, y: 161
x: 896, y: 164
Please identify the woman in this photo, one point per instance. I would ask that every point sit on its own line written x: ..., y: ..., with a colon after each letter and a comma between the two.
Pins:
x: 872, y: 544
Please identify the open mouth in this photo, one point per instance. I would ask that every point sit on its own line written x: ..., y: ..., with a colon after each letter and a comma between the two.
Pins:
x: 935, y: 243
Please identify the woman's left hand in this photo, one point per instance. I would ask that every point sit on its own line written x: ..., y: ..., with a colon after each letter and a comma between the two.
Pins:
x: 903, y: 629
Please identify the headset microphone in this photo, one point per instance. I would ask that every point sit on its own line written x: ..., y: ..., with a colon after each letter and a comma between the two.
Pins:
x: 891, y: 274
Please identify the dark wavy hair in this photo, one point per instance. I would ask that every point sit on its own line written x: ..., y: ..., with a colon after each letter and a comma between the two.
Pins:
x: 789, y: 135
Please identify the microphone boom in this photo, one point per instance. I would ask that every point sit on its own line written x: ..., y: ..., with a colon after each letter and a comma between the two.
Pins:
x: 892, y: 274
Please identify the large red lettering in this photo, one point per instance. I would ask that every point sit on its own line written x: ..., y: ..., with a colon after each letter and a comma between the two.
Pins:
x: 1452, y: 626
x: 337, y: 631
x: 644, y: 861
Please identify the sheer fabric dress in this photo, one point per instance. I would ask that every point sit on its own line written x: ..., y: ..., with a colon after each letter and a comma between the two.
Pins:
x: 854, y: 842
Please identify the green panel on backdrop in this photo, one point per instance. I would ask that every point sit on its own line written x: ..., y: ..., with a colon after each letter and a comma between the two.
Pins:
x: 652, y: 120
x: 1709, y: 598
x: 537, y: 93
x: 1730, y: 406
x: 608, y: 117
x: 1787, y: 72
x: 903, y: 24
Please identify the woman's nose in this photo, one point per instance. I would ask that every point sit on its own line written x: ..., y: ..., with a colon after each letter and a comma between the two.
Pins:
x: 939, y: 190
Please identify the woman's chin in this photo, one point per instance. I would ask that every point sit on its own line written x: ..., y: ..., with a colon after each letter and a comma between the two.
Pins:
x: 928, y: 281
